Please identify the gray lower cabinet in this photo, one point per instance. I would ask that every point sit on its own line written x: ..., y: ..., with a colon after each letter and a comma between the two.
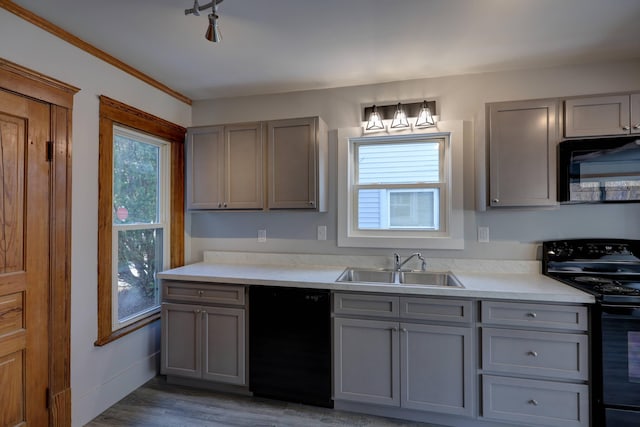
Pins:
x: 400, y: 363
x: 203, y: 341
x: 535, y: 364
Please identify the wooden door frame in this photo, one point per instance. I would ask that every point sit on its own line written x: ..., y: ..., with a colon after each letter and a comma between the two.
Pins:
x: 59, y: 95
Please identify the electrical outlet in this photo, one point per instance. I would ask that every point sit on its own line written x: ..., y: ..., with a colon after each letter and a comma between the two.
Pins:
x: 262, y: 236
x: 322, y: 232
x: 483, y: 234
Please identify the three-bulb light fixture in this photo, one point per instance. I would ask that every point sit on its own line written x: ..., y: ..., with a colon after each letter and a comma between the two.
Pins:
x: 423, y: 113
x: 213, y: 31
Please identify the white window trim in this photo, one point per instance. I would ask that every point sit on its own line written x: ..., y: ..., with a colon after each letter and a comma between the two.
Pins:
x: 164, y: 222
x: 452, y: 236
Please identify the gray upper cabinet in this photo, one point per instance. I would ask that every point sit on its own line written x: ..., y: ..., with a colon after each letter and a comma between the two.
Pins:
x: 297, y: 163
x: 602, y: 115
x: 522, y: 137
x: 224, y: 167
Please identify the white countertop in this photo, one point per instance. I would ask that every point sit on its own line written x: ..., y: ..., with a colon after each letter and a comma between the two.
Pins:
x: 525, y: 286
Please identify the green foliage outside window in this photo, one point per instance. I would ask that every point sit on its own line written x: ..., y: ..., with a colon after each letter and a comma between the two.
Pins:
x: 136, y: 201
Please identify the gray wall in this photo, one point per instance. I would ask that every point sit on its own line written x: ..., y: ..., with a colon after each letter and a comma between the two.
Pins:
x: 515, y: 234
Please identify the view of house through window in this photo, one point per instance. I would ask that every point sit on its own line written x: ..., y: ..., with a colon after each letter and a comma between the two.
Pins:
x: 140, y: 231
x: 398, y: 185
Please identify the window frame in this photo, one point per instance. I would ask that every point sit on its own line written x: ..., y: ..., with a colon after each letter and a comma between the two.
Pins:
x: 451, y: 234
x: 162, y: 220
x: 114, y: 113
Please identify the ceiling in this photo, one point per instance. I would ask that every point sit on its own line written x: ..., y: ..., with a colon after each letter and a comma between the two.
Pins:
x: 272, y: 46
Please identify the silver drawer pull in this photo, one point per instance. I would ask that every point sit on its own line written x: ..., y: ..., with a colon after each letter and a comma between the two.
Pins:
x: 200, y: 293
x: 404, y: 329
x: 393, y: 329
x: 532, y: 315
x: 533, y: 402
x: 625, y: 128
x: 533, y: 353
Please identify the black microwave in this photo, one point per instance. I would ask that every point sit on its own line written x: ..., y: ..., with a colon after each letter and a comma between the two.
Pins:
x: 599, y: 170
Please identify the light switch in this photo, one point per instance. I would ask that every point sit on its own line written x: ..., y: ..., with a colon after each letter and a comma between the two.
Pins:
x: 483, y: 234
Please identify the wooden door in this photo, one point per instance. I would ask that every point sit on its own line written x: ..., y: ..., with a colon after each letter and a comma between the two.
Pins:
x: 24, y: 261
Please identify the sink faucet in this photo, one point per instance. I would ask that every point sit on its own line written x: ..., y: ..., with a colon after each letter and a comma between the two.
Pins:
x: 397, y: 265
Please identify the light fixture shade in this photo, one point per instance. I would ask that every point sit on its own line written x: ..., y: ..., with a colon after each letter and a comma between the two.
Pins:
x: 399, y: 118
x: 375, y: 121
x: 213, y: 32
x: 425, y: 118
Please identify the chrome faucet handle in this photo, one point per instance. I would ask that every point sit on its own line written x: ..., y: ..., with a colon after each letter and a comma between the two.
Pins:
x: 423, y: 267
x: 396, y: 261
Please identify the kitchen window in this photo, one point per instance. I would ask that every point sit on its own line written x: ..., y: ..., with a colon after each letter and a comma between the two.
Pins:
x: 400, y: 191
x: 140, y: 215
x: 140, y: 229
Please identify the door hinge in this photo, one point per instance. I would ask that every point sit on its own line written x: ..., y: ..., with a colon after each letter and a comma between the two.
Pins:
x: 49, y: 151
x: 47, y: 398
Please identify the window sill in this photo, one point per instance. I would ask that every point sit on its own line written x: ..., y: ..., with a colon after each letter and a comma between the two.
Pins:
x: 113, y: 336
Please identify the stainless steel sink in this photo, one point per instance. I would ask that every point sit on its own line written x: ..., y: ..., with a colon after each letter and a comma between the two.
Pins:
x: 366, y: 275
x: 402, y: 278
x: 426, y: 278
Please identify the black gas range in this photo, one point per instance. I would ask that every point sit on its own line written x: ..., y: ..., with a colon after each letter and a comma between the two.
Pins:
x: 609, y: 269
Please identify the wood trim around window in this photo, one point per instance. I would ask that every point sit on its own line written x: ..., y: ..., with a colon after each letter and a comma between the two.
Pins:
x: 114, y: 112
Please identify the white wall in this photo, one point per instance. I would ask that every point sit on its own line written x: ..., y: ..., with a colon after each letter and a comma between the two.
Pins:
x: 515, y: 234
x: 100, y: 376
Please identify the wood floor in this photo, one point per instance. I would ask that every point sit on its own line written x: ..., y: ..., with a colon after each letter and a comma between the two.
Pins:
x: 159, y: 404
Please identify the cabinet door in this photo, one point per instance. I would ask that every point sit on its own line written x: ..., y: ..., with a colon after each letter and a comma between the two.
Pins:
x: 224, y: 345
x: 205, y: 168
x: 595, y: 116
x: 635, y: 113
x: 292, y: 163
x: 522, y: 153
x: 181, y: 340
x: 436, y: 368
x: 244, y: 166
x: 366, y: 361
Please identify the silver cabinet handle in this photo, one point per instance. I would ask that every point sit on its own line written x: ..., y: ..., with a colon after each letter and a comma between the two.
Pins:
x: 219, y: 205
x: 404, y: 329
x: 637, y: 126
x: 200, y: 293
x: 625, y: 128
x: 197, y: 311
x: 311, y: 203
x: 496, y: 200
x: 225, y: 205
x: 532, y: 315
x: 533, y: 353
x: 533, y: 402
x: 394, y: 329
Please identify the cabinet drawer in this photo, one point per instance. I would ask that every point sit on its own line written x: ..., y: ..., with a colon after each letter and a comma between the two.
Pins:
x: 436, y: 309
x: 203, y: 293
x: 540, y: 403
x: 366, y: 305
x: 549, y: 354
x: 535, y: 315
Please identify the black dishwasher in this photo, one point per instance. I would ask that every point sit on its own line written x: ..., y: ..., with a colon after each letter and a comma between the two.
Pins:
x: 290, y: 344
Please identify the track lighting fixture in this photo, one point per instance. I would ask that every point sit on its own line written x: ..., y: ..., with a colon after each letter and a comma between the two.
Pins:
x: 213, y: 31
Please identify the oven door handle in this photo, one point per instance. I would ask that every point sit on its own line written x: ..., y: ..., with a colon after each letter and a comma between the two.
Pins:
x: 621, y: 310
